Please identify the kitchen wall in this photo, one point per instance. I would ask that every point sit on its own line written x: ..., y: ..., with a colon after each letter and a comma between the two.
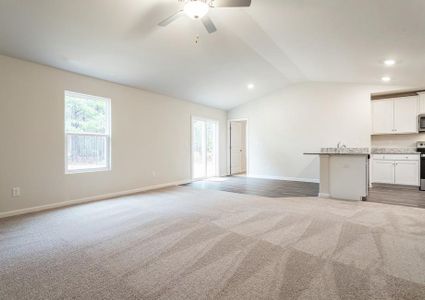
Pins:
x: 151, y: 134
x: 301, y: 118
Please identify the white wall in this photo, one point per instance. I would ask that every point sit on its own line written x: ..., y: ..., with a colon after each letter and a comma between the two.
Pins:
x: 150, y: 132
x: 303, y: 118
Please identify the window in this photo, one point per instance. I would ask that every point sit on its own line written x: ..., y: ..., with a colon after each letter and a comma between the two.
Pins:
x: 87, y: 133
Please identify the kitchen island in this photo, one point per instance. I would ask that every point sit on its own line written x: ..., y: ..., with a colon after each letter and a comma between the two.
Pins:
x: 344, y: 173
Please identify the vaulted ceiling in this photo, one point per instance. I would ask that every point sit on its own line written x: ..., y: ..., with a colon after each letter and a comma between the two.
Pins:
x: 271, y: 44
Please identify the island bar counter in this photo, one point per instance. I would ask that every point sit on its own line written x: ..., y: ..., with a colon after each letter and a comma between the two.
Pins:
x: 344, y: 175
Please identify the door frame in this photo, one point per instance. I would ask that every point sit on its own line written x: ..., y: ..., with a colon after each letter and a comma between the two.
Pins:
x: 228, y: 152
x: 217, y: 150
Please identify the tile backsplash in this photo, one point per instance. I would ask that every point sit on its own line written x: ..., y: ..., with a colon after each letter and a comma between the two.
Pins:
x: 397, y: 140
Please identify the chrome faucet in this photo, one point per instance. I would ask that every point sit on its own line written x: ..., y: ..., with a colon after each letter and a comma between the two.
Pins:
x: 340, y: 146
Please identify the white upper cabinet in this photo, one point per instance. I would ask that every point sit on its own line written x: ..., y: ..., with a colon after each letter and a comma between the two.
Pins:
x: 405, y: 114
x: 383, y: 116
x: 421, y: 102
x: 395, y: 116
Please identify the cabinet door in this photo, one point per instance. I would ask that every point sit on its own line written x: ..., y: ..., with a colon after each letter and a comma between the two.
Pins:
x: 383, y: 116
x: 405, y: 114
x: 421, y: 103
x: 383, y: 171
x: 407, y: 172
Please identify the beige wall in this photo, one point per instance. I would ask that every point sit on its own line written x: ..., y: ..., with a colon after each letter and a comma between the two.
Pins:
x: 150, y: 133
x: 301, y: 118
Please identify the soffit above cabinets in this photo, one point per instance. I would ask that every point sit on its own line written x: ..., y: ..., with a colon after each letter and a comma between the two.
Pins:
x: 397, y: 94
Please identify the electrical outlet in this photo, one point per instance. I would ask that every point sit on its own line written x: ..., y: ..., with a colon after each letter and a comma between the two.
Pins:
x: 16, y: 192
x: 153, y: 173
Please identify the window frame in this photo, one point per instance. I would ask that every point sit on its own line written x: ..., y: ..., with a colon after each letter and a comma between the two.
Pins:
x: 107, y: 133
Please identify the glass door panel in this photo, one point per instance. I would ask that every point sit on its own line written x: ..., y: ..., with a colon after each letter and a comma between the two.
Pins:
x: 199, y: 149
x: 211, y: 135
x: 204, y: 148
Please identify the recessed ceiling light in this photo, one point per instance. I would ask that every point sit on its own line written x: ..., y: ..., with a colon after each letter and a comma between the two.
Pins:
x: 386, y: 78
x: 250, y: 86
x: 389, y: 62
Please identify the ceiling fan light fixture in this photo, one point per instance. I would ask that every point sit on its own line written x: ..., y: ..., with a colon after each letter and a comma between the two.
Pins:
x: 196, y: 9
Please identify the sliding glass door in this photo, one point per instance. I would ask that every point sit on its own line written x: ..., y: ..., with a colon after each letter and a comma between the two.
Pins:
x: 204, y: 148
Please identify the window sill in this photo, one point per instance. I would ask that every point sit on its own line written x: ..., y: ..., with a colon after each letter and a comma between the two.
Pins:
x: 94, y: 170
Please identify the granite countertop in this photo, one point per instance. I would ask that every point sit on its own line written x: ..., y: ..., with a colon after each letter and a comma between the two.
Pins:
x: 394, y: 150
x: 364, y: 151
x: 340, y: 151
x: 334, y: 153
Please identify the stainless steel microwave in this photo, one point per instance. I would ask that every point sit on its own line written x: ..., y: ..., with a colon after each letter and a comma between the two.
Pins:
x: 421, y: 123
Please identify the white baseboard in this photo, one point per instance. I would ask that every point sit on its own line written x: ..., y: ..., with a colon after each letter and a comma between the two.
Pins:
x: 323, y: 195
x: 314, y: 180
x: 90, y: 199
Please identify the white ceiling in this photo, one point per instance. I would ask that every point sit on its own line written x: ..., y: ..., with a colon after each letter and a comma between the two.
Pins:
x: 270, y: 44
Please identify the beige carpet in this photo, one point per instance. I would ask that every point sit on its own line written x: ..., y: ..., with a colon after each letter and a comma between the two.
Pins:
x: 182, y: 243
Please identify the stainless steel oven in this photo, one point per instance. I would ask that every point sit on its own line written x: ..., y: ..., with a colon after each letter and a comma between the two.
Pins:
x: 420, y: 147
x: 421, y: 123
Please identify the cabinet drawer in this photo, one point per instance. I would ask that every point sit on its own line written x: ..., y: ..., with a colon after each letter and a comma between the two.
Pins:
x: 414, y: 157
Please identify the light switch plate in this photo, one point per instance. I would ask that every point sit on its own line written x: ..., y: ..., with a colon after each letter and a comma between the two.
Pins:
x: 16, y: 192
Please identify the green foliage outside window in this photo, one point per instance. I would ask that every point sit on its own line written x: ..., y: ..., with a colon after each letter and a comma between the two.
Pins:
x: 85, y: 116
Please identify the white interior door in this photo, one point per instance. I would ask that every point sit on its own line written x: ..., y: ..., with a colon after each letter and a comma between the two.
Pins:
x: 236, y: 148
x: 204, y: 148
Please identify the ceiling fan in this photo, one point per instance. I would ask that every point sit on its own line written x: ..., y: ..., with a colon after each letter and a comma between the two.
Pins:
x: 198, y: 9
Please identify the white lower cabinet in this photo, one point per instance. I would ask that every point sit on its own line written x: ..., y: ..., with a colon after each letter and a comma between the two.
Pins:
x: 396, y: 169
x: 406, y: 172
x: 383, y: 171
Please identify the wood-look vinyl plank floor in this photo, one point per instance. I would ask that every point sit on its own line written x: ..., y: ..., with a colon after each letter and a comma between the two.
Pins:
x: 397, y: 195
x: 259, y: 186
x: 380, y: 193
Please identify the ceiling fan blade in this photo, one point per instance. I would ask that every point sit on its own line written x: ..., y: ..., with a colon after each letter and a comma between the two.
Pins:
x: 171, y: 19
x: 230, y: 3
x: 209, y: 25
